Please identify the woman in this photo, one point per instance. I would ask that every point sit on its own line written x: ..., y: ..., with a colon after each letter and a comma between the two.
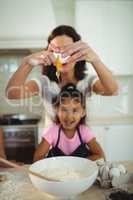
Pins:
x: 66, y: 41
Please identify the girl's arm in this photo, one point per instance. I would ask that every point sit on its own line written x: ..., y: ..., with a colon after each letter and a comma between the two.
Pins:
x: 41, y: 150
x: 2, y: 151
x: 97, y: 152
x: 18, y: 87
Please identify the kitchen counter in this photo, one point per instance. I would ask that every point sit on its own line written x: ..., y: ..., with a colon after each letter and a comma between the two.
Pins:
x: 128, y: 119
x: 18, y: 187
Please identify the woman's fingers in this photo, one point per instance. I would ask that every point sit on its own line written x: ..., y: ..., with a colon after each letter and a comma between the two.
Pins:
x: 53, y: 48
x: 79, y: 51
x: 80, y: 55
x: 41, y: 58
x: 73, y: 48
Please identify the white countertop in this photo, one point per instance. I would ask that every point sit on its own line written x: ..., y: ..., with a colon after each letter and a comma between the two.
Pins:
x: 19, y: 187
x: 127, y: 119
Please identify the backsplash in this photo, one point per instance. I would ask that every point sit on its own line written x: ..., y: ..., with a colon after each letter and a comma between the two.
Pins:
x: 114, y: 106
x: 9, y: 62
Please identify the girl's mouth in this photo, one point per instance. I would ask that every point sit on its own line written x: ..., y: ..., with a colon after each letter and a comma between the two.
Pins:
x: 69, y: 123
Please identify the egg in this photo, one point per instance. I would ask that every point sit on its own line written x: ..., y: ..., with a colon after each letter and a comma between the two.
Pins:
x: 114, y: 172
x: 63, y: 60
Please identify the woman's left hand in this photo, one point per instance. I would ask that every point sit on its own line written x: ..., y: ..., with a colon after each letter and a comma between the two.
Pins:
x: 79, y: 51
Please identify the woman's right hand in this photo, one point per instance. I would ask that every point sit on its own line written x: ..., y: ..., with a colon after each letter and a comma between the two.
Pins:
x: 44, y: 57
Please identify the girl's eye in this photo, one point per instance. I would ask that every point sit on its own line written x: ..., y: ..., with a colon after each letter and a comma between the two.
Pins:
x: 76, y: 111
x: 64, y: 110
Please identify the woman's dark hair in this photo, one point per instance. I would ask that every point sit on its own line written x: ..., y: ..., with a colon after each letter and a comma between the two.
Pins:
x: 69, y: 31
x: 69, y: 91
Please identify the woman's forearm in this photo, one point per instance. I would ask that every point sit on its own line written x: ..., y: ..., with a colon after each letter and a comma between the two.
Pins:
x: 18, y: 78
x: 105, y: 76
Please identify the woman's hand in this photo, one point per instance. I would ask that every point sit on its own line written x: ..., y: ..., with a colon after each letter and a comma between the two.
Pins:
x: 79, y: 51
x: 40, y: 58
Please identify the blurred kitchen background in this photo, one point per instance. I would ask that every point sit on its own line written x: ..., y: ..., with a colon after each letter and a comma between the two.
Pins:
x: 107, y: 26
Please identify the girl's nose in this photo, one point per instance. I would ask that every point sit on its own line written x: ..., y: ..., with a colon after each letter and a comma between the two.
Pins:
x: 70, y: 114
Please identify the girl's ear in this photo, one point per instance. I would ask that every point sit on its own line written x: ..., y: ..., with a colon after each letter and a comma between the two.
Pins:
x: 83, y: 113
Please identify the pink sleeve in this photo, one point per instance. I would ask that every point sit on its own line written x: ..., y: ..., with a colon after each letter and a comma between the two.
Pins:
x: 50, y: 134
x: 86, y: 133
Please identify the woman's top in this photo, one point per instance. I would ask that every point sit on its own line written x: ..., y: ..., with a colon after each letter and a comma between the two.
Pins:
x: 49, y: 89
x: 65, y: 144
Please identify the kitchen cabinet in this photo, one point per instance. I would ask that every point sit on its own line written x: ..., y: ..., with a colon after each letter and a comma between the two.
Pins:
x: 25, y: 24
x: 119, y: 142
x: 107, y: 27
x: 116, y: 140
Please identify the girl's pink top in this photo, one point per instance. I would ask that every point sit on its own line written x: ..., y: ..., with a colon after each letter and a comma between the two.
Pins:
x: 67, y: 145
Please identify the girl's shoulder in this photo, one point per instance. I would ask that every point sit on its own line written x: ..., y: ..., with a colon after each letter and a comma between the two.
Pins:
x: 85, y: 130
x: 86, y: 133
x: 84, y: 127
x: 52, y: 128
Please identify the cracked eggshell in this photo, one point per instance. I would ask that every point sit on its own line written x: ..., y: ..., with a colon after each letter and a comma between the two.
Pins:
x: 122, y: 169
x: 104, y: 172
x: 62, y: 60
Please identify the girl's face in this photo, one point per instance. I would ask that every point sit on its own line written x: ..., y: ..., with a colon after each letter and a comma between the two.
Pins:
x: 70, y: 112
x: 59, y: 43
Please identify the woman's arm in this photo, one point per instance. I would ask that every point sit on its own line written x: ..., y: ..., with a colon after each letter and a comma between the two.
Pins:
x: 106, y: 85
x: 97, y: 152
x: 41, y: 150
x: 18, y: 87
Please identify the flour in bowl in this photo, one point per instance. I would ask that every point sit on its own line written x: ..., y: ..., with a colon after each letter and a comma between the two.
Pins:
x: 63, y: 175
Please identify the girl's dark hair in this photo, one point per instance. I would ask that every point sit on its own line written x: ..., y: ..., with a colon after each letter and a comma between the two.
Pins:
x: 69, y: 31
x: 69, y: 91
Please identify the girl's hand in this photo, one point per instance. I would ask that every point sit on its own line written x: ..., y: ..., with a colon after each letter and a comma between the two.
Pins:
x: 79, y: 51
x: 40, y: 58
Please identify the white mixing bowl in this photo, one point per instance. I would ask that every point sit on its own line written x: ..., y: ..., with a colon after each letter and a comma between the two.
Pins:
x: 77, y: 175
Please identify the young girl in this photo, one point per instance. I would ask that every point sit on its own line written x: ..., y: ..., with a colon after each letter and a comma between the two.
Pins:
x: 69, y: 135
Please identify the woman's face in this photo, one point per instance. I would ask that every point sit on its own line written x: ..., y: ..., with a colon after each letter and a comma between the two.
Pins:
x: 58, y: 44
